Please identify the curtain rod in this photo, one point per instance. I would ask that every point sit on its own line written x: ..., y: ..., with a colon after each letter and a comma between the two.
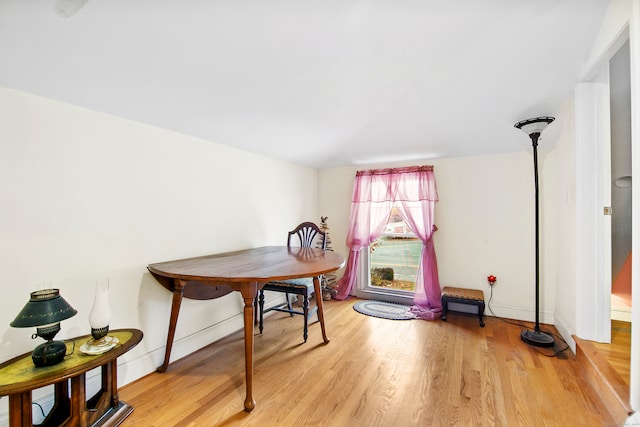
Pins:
x: 407, y: 169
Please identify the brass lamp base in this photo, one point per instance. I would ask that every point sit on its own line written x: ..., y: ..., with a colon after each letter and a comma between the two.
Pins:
x: 100, y: 341
x: 102, y: 345
x: 105, y: 341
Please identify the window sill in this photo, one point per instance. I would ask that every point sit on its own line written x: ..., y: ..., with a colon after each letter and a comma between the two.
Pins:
x: 398, y: 297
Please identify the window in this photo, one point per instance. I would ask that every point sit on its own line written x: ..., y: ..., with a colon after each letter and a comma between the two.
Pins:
x: 394, y: 257
x: 411, y: 191
x: 389, y: 265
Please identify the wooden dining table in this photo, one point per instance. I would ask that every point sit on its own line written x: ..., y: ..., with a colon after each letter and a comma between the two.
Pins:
x: 245, y: 271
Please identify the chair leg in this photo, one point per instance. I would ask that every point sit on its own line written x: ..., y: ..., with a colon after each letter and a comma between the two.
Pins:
x: 261, y: 304
x: 256, y: 308
x: 289, y: 305
x: 305, y: 310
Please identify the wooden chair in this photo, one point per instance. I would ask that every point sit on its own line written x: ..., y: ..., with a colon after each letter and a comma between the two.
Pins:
x: 307, y: 232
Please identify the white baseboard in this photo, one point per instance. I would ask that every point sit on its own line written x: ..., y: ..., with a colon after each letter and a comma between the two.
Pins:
x: 518, y: 313
x: 622, y: 314
x: 566, y: 332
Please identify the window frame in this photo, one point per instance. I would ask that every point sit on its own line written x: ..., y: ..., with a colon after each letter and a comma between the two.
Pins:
x: 365, y: 290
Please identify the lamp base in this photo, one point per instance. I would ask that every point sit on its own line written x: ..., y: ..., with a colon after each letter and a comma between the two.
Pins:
x: 49, y: 353
x: 104, y: 342
x: 93, y: 347
x: 537, y: 338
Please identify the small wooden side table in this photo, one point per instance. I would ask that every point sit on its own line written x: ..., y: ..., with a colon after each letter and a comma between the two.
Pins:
x: 19, y: 377
x: 452, y: 294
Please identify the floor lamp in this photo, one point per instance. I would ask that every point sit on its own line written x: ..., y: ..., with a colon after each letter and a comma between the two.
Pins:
x: 533, y: 128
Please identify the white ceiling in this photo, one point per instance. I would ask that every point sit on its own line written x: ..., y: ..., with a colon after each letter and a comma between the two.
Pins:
x: 323, y: 83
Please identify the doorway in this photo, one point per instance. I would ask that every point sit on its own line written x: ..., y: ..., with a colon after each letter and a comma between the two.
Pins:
x: 621, y: 182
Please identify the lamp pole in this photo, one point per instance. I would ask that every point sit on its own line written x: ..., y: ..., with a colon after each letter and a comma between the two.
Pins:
x: 534, y: 142
x: 534, y: 127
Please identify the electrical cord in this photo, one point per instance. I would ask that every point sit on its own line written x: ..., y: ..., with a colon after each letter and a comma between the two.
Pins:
x: 41, y: 408
x: 556, y: 353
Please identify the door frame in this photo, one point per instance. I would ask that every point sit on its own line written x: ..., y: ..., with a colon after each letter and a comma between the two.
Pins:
x: 593, y: 310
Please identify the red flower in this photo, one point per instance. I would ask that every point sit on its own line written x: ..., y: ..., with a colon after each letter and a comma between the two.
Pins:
x: 492, y: 279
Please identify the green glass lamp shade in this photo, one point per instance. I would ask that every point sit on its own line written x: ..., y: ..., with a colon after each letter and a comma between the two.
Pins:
x: 45, y: 309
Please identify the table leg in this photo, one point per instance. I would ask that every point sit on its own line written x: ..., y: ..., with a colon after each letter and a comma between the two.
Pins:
x: 79, y: 415
x: 110, y: 370
x: 248, y: 291
x: 319, y: 302
x: 20, y: 409
x: 173, y: 321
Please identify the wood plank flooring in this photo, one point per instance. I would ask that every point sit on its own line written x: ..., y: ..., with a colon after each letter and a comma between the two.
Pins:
x: 607, y: 368
x: 374, y: 372
x: 618, y: 353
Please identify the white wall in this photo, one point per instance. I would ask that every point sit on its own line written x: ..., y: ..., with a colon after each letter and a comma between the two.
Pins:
x: 564, y: 241
x: 87, y: 196
x: 485, y: 220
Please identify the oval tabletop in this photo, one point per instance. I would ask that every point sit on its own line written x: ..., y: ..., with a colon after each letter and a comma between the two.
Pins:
x: 20, y: 374
x: 257, y: 264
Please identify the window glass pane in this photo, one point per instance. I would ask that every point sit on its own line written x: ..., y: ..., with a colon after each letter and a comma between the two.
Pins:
x: 394, y: 257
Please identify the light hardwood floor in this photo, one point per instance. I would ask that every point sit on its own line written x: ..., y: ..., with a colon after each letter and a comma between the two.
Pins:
x: 374, y: 372
x: 618, y: 352
x: 607, y: 367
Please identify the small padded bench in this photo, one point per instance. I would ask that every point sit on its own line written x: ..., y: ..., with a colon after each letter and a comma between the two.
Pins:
x: 462, y: 296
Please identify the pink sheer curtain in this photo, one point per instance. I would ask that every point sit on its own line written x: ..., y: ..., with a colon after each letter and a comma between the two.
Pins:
x: 413, y: 189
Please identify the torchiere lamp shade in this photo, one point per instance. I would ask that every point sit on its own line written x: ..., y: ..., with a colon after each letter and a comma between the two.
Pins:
x: 537, y: 125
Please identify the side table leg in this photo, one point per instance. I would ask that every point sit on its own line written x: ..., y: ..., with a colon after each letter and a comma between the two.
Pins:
x: 320, y: 303
x: 20, y: 409
x: 111, y: 372
x: 248, y: 291
x: 173, y: 321
x: 79, y: 416
x: 445, y: 308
